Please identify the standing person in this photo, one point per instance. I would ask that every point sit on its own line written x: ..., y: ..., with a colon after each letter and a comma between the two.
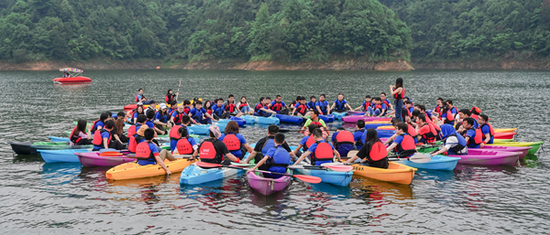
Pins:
x: 79, y: 135
x: 170, y: 96
x: 141, y: 98
x: 340, y: 104
x: 398, y: 93
x: 244, y: 107
x: 374, y: 153
x: 322, y: 105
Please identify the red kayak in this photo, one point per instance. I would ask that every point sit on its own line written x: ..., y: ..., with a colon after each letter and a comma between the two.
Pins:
x: 505, y: 135
x: 72, y: 75
x: 130, y: 107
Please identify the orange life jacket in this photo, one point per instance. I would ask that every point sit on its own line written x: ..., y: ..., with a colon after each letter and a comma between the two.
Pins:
x: 377, y: 152
x: 232, y: 142
x: 143, y: 151
x: 323, y: 152
x: 345, y: 137
x: 184, y: 147
x: 175, y: 132
x: 98, y: 140
x: 208, y: 153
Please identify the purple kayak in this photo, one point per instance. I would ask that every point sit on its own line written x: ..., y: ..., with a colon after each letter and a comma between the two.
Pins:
x: 94, y: 159
x: 355, y: 118
x: 267, y: 186
x: 488, y: 157
x: 522, y: 150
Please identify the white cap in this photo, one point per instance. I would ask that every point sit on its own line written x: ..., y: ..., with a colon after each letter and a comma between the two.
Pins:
x: 162, y: 106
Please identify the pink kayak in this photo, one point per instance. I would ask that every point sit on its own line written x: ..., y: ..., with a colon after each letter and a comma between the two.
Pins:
x: 267, y: 186
x: 355, y: 118
x: 94, y: 159
x: 522, y: 150
x: 488, y: 157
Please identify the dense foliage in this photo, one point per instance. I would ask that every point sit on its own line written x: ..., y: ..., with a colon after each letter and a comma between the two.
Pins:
x: 195, y: 30
x: 476, y: 29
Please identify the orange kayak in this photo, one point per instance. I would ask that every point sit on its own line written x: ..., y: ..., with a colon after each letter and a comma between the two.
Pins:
x: 133, y: 170
x: 396, y: 173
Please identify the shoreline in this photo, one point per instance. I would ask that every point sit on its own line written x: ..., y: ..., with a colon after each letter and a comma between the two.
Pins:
x: 347, y: 65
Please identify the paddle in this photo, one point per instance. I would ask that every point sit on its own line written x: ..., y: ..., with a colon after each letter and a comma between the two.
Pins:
x: 305, y: 178
x: 416, y: 158
x: 300, y: 131
x: 178, y: 90
x: 342, y: 168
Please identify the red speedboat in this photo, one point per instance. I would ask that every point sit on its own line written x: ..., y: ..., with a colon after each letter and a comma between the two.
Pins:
x: 71, y: 75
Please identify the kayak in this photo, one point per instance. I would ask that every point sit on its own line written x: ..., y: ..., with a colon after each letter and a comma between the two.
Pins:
x: 200, y: 129
x: 66, y: 155
x: 131, y: 107
x: 375, y: 125
x: 239, y: 120
x: 28, y: 148
x: 267, y: 120
x: 89, y: 159
x: 505, y: 135
x: 290, y: 119
x: 523, y: 150
x: 249, y: 119
x: 328, y: 176
x: 267, y: 186
x: 327, y: 118
x: 339, y: 116
x: 498, y: 141
x: 23, y: 148
x: 386, y: 128
x: 535, y: 145
x: 356, y: 113
x: 70, y: 80
x: 500, y: 130
x: 355, y: 118
x: 438, y: 162
x: 197, y: 175
x: 59, y: 139
x: 488, y: 157
x: 396, y: 173
x: 133, y: 170
x: 385, y: 133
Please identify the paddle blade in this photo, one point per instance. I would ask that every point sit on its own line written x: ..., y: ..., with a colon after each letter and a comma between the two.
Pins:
x: 308, y: 178
x: 343, y: 168
x: 208, y: 165
x: 352, y: 153
x: 420, y: 158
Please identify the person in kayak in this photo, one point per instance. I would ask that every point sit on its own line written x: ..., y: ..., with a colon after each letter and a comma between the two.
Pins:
x: 231, y: 108
x: 136, y: 133
x: 161, y: 120
x: 102, y: 137
x: 359, y: 131
x: 147, y: 152
x: 278, y: 105
x: 475, y: 112
x: 266, y: 143
x: 373, y: 153
x: 365, y: 106
x: 322, y: 105
x: 170, y: 96
x: 212, y: 150
x: 343, y: 141
x: 185, y: 145
x: 119, y: 127
x: 177, y: 116
x: 321, y: 152
x: 244, y: 107
x: 200, y: 115
x: 403, y: 144
x: 235, y: 142
x: 340, y: 104
x: 300, y: 109
x: 426, y: 132
x: 276, y: 160
x: 79, y: 135
x: 473, y: 135
x: 141, y: 98
x: 100, y: 123
x: 311, y: 103
x: 398, y: 93
x: 486, y: 129
x: 453, y: 142
x: 306, y: 141
x: 187, y: 106
x: 150, y: 122
x: 408, y: 107
x: 174, y: 133
x: 449, y: 113
x: 465, y: 113
x: 292, y: 105
x: 379, y: 109
x: 314, y: 119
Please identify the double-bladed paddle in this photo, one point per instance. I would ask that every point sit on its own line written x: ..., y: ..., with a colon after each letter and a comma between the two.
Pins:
x: 416, y: 158
x: 342, y: 168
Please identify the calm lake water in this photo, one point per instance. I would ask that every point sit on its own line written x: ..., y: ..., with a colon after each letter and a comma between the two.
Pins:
x: 65, y: 198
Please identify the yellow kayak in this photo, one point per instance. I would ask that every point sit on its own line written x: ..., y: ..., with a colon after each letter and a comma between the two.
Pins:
x: 503, y: 130
x: 535, y: 145
x: 396, y: 173
x: 133, y: 170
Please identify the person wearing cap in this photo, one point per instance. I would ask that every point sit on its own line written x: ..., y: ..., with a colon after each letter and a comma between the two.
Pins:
x: 162, y: 118
x: 214, y: 144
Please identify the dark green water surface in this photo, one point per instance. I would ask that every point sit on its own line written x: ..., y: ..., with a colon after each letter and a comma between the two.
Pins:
x: 65, y: 198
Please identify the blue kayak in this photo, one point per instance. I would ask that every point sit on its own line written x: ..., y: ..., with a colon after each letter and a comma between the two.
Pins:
x: 66, y: 155
x: 329, y: 176
x: 327, y: 118
x: 249, y: 119
x: 194, y: 174
x: 290, y: 119
x: 199, y: 129
x: 385, y: 133
x: 268, y: 120
x: 438, y: 162
x: 339, y: 116
x: 59, y: 139
x: 239, y: 120
x: 375, y: 125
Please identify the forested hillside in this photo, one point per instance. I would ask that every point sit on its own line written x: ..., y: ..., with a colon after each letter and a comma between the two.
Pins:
x: 476, y: 30
x: 198, y: 30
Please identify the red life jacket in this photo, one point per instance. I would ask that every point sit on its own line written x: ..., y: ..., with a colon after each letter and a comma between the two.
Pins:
x: 406, y: 145
x: 438, y: 110
x: 318, y: 123
x: 378, y: 106
x: 491, y: 130
x: 184, y: 147
x: 431, y: 136
x: 242, y: 105
x: 474, y: 116
x: 186, y: 110
x: 93, y: 125
x: 98, y: 140
x: 178, y: 118
x: 277, y: 106
x: 208, y: 153
x: 143, y: 151
x: 387, y: 103
x: 131, y: 131
x: 302, y: 108
x: 323, y: 152
x: 230, y: 107
x: 137, y: 99
x: 377, y: 151
x: 209, y: 111
x: 450, y: 115
x: 477, y: 139
x: 132, y: 144
x: 232, y: 142
x: 399, y: 96
x: 74, y: 138
x: 412, y: 131
x: 309, y: 142
x: 366, y: 105
x: 344, y: 137
x: 175, y: 132
x: 168, y: 99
